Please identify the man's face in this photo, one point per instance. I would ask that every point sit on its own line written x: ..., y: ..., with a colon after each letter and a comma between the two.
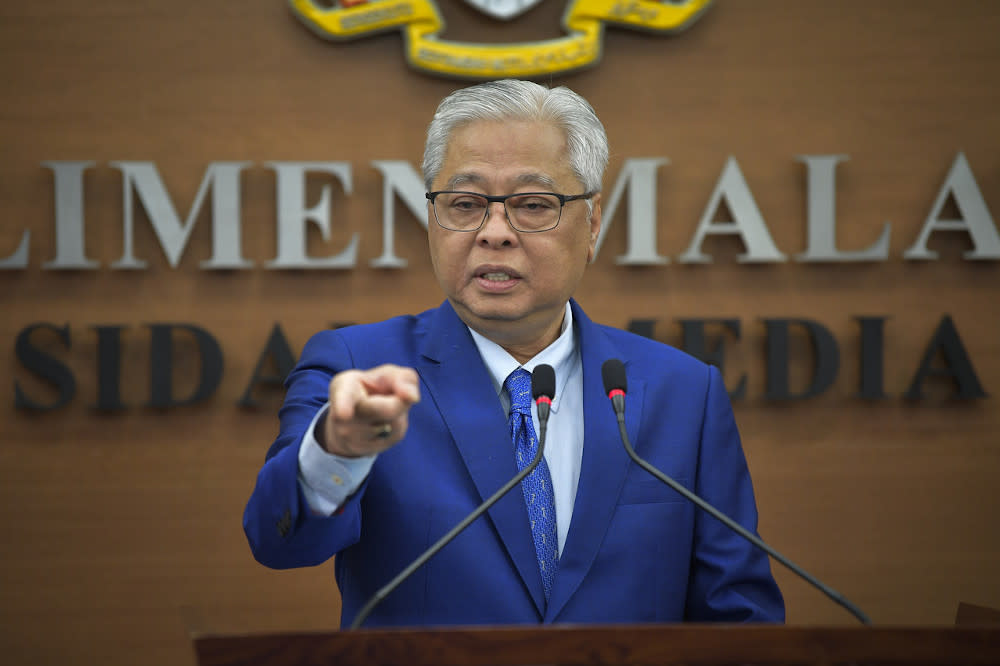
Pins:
x: 511, y: 286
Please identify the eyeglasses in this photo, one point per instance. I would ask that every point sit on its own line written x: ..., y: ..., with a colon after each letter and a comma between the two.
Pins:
x: 527, y: 212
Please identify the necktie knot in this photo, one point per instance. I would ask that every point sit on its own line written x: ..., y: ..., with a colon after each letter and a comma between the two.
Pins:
x: 518, y: 385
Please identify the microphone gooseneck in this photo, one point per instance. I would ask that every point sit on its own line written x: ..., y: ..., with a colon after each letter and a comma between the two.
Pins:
x: 543, y: 388
x: 613, y: 373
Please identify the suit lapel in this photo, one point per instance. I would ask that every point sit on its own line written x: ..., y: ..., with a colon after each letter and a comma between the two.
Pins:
x: 603, y: 468
x: 462, y: 389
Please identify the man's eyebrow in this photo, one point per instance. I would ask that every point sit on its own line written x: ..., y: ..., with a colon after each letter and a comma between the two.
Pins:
x: 460, y: 179
x: 539, y: 179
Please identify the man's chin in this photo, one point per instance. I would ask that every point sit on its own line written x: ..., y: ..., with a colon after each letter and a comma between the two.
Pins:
x: 495, y: 314
x: 492, y: 310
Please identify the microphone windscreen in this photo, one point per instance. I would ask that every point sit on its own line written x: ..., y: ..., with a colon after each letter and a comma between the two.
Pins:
x: 543, y: 382
x: 613, y: 373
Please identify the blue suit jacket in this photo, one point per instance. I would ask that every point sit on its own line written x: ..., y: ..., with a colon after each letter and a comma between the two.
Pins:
x: 636, y: 551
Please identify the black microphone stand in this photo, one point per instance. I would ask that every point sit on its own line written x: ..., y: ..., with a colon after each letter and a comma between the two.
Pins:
x: 387, y: 589
x: 618, y: 402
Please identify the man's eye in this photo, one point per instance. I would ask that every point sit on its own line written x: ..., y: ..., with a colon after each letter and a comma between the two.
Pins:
x: 535, y: 204
x: 467, y: 204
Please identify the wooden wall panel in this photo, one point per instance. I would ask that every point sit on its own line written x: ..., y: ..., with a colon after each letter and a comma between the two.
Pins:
x: 122, y: 531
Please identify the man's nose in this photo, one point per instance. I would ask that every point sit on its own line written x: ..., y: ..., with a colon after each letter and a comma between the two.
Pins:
x: 496, y: 229
x: 495, y: 210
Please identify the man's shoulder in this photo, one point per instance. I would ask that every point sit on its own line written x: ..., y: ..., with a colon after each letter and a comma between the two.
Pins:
x: 386, y: 338
x: 649, y: 359
x: 398, y: 325
x: 642, y: 348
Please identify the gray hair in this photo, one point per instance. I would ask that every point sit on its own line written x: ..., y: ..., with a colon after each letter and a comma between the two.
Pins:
x: 522, y: 100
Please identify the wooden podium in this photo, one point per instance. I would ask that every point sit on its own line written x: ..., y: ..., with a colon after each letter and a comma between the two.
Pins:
x: 660, y: 645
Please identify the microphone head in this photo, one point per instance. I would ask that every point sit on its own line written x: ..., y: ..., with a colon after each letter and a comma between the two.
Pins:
x: 543, y: 382
x: 613, y: 373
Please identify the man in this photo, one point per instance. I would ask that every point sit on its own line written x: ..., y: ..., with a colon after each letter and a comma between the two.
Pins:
x: 392, y: 432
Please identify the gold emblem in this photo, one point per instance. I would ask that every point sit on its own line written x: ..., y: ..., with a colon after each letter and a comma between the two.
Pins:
x: 503, y: 9
x: 421, y: 23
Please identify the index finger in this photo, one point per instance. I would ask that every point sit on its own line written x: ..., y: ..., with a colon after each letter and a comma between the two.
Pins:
x: 347, y: 389
x: 393, y: 380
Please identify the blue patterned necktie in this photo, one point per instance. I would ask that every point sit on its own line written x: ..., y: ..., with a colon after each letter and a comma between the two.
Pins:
x: 537, y: 486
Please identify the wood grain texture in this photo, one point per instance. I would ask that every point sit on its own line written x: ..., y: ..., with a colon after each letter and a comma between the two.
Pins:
x: 121, y: 532
x: 651, y: 644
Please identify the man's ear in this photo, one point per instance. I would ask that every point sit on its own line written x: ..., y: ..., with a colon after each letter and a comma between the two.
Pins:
x: 595, y: 227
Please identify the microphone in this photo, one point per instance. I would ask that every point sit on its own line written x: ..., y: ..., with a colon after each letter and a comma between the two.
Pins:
x: 615, y: 385
x: 543, y: 388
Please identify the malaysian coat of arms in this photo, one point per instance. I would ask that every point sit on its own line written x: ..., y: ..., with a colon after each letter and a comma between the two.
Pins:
x: 421, y: 24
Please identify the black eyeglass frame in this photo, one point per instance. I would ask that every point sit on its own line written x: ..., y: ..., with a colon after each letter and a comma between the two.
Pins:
x: 563, y: 200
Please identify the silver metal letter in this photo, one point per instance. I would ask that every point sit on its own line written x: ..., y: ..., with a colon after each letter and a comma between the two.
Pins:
x: 172, y: 234
x: 20, y: 257
x: 293, y: 215
x: 70, y: 253
x: 400, y: 178
x: 639, y: 175
x: 747, y: 221
x: 821, y: 194
x: 976, y: 218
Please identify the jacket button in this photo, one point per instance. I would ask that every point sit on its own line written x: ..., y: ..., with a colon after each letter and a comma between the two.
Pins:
x: 285, y: 523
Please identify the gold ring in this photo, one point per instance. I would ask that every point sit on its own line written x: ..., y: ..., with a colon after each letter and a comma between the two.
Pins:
x: 382, y: 431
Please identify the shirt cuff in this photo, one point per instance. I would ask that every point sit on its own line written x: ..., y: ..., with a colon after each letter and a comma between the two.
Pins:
x: 327, y: 480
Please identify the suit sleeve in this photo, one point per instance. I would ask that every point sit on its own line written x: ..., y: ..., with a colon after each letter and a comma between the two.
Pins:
x: 280, y: 527
x: 731, y: 578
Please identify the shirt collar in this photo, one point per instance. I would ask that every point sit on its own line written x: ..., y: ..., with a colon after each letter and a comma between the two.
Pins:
x: 559, y: 355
